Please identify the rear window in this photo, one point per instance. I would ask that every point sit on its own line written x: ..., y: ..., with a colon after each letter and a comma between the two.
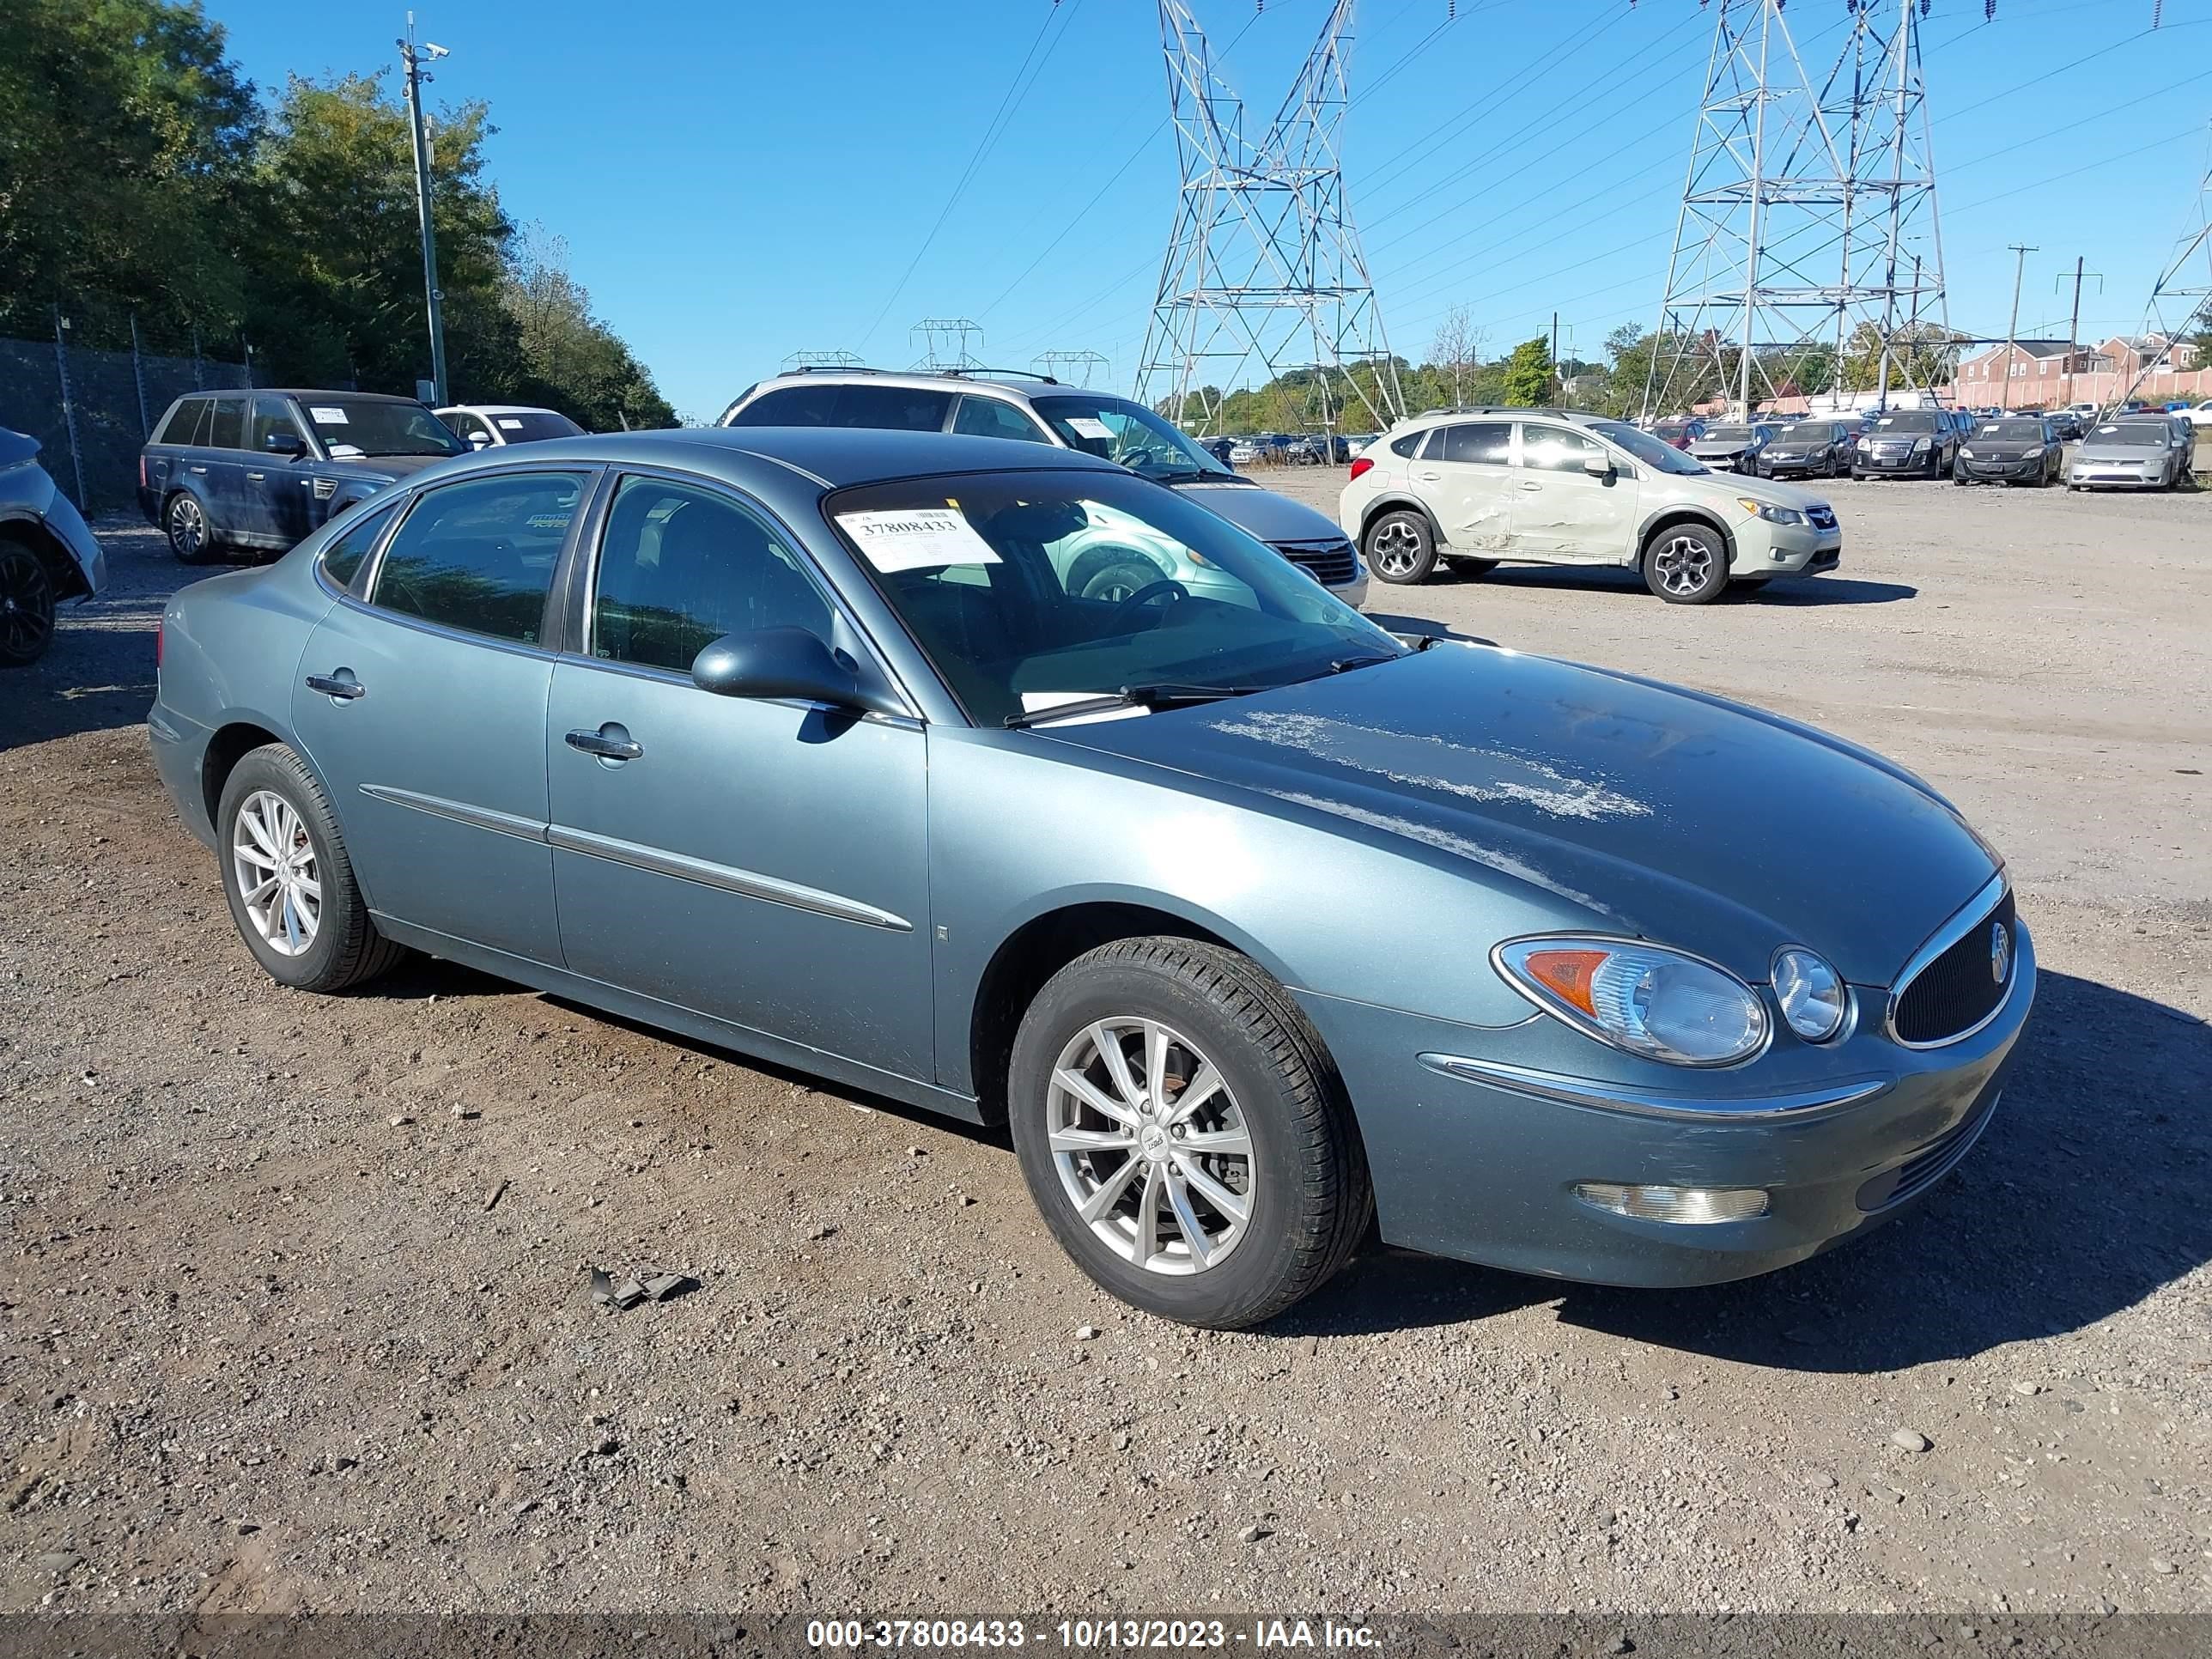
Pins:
x: 885, y: 408
x: 177, y: 426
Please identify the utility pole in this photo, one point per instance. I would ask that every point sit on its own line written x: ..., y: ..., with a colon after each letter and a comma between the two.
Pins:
x: 2074, y: 327
x: 2012, y: 328
x: 417, y: 129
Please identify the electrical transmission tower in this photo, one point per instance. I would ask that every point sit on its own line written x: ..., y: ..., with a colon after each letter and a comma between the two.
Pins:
x: 1807, y: 251
x: 1073, y: 368
x: 1263, y: 268
x: 947, y: 343
x: 2181, y: 300
x: 821, y: 360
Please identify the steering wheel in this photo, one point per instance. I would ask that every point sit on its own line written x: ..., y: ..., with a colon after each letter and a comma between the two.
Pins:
x: 1149, y: 591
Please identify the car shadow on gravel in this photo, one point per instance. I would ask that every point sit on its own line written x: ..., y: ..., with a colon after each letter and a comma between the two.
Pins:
x: 1779, y: 590
x: 2085, y: 1196
x: 98, y: 674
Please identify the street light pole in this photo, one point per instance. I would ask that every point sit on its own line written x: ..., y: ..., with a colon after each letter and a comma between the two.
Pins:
x: 416, y: 131
x: 2012, y: 328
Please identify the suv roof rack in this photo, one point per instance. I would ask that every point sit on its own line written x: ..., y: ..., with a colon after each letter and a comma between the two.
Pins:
x: 1508, y: 409
x: 978, y: 372
x: 831, y: 368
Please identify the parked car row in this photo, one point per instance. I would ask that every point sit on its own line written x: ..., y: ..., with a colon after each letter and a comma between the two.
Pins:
x: 823, y: 744
x: 47, y: 555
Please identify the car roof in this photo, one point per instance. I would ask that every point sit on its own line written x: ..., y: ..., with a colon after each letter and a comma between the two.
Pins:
x: 304, y: 392
x: 495, y: 409
x: 1002, y: 379
x: 836, y: 458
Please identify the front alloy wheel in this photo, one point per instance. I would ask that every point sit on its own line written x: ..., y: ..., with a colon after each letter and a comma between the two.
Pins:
x: 27, y: 606
x: 1685, y: 565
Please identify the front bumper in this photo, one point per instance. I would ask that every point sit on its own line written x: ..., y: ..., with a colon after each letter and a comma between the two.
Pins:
x: 2093, y: 476
x: 1477, y: 1139
x: 1789, y: 549
x: 1926, y: 462
x: 1793, y: 466
x: 2027, y: 472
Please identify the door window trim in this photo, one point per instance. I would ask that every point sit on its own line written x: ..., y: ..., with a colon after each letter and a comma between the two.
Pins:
x: 578, y: 582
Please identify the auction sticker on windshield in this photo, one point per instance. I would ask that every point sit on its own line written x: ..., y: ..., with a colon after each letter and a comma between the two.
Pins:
x: 327, y: 417
x: 1091, y: 426
x: 916, y: 539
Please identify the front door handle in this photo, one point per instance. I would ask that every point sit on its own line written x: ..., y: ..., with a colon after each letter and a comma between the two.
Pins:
x: 199, y: 469
x: 255, y: 477
x: 339, y: 684
x: 610, y: 742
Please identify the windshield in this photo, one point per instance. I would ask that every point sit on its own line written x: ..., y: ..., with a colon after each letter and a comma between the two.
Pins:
x: 2027, y: 432
x: 1810, y: 435
x: 1115, y: 429
x: 524, y: 426
x: 350, y: 426
x: 1661, y: 457
x: 1909, y: 420
x: 2131, y: 432
x: 1727, y: 435
x: 1029, y: 589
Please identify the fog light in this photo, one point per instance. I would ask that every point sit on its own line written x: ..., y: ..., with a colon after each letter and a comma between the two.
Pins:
x: 1688, y: 1206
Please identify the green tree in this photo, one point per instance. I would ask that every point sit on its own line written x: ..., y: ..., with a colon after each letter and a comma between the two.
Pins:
x: 570, y: 358
x: 124, y: 144
x: 1528, y: 380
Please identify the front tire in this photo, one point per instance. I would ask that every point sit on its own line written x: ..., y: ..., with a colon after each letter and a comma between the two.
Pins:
x: 27, y: 606
x: 289, y: 881
x: 1686, y: 564
x: 1184, y: 1133
x: 1401, y: 550
x: 184, y: 521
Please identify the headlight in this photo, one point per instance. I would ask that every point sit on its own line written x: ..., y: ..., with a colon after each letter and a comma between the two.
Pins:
x: 1811, y: 994
x: 1771, y: 514
x: 1921, y: 444
x: 1642, y: 999
x: 1966, y: 454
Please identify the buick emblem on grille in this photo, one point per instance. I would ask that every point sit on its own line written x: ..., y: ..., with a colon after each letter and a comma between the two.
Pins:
x: 2000, y: 952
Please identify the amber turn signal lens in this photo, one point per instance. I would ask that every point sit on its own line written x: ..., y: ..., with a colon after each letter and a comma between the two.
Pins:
x: 1566, y: 974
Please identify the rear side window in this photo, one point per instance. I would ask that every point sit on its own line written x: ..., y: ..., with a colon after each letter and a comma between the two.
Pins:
x: 1407, y: 444
x: 342, y: 559
x: 479, y: 556
x: 1488, y: 443
x: 894, y: 408
x: 792, y: 405
x: 177, y: 425
x: 986, y: 417
x: 229, y: 429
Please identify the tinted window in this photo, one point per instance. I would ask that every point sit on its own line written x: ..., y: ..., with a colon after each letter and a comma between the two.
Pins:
x: 1909, y: 420
x: 794, y: 405
x: 528, y: 426
x: 479, y: 556
x: 896, y: 408
x: 1119, y: 430
x: 176, y: 427
x: 342, y: 559
x: 681, y: 567
x: 1407, y: 444
x: 986, y: 417
x: 271, y: 418
x: 1555, y: 449
x: 1490, y: 442
x: 2027, y: 432
x: 228, y: 431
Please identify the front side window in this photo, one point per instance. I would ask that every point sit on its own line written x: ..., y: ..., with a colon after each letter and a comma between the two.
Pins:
x: 1115, y: 429
x: 892, y: 407
x: 272, y: 419
x: 351, y: 427
x: 1486, y: 443
x: 228, y: 431
x: 479, y: 556
x: 679, y: 567
x: 1652, y: 452
x: 1556, y: 449
x: 994, y: 578
x: 342, y: 559
x: 986, y: 417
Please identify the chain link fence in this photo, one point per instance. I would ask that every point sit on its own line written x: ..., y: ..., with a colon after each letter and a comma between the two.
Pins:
x: 90, y: 386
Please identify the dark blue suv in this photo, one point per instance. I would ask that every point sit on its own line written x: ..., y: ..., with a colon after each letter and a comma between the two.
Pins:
x: 262, y: 469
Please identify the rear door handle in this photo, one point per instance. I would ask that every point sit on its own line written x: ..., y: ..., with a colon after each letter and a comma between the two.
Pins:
x: 340, y: 683
x: 610, y: 742
x: 1429, y: 477
x: 1530, y: 484
x: 255, y: 477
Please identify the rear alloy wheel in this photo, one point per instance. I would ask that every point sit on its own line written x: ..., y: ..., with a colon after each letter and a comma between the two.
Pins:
x: 1184, y: 1134
x: 186, y: 524
x: 1401, y: 548
x: 1686, y: 564
x: 27, y: 606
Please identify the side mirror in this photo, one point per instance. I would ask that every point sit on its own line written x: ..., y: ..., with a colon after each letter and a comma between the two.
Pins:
x: 782, y: 662
x: 479, y: 441
x: 285, y: 443
x: 1598, y: 466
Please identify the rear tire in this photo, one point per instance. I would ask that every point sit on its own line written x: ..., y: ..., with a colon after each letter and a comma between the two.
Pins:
x: 1686, y: 564
x: 184, y: 521
x: 1400, y: 548
x: 305, y: 919
x: 1284, y: 1149
x: 27, y: 606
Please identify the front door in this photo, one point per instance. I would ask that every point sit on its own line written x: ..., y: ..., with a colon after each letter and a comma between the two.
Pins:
x: 763, y: 863
x: 423, y: 712
x: 1465, y: 472
x: 1562, y: 513
x: 280, y: 493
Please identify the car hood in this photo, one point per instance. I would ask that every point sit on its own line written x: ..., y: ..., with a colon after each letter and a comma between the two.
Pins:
x: 1722, y: 446
x: 393, y: 467
x: 1775, y: 494
x: 1262, y: 513
x: 16, y: 448
x: 1651, y: 810
x: 2113, y: 452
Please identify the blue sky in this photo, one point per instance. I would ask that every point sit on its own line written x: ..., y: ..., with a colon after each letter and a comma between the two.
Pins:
x: 739, y: 181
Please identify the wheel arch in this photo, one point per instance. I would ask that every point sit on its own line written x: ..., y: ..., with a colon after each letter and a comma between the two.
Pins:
x: 1668, y: 518
x: 238, y: 734
x: 61, y: 567
x: 1397, y: 502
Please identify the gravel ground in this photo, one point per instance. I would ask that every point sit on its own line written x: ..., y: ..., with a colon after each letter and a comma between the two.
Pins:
x: 294, y: 1317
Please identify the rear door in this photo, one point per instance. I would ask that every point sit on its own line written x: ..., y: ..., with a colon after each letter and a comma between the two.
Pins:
x: 423, y: 711
x: 169, y: 451
x: 218, y: 466
x: 1465, y: 472
x: 1563, y: 515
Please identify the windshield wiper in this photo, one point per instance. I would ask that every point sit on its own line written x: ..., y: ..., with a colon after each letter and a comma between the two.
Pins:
x: 1346, y: 665
x: 1133, y: 697
x: 1196, y: 475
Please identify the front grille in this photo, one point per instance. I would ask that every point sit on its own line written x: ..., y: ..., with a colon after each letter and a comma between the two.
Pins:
x: 1959, y: 990
x: 1823, y: 517
x: 1931, y: 1163
x: 1330, y: 563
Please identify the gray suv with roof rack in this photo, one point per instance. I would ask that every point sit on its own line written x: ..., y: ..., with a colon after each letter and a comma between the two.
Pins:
x: 1114, y: 560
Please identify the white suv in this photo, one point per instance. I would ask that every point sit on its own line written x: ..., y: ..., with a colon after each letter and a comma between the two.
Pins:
x: 1037, y: 409
x: 1480, y: 486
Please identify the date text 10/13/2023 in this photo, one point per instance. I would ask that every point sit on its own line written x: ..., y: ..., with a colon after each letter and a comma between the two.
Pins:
x: 1087, y: 1634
